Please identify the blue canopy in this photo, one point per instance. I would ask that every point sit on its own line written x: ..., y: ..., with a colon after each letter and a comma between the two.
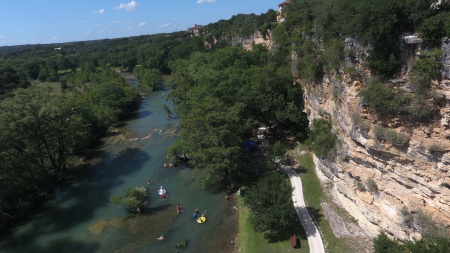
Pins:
x: 248, y: 145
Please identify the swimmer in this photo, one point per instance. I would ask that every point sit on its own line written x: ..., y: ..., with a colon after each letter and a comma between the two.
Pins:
x: 149, y: 182
x: 196, y: 210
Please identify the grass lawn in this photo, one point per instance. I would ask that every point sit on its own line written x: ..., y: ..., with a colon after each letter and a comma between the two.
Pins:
x: 250, y: 241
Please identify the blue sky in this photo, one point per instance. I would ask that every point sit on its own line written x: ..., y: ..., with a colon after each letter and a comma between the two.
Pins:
x: 54, y: 21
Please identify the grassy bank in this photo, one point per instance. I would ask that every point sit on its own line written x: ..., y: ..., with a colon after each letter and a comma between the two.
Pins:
x: 314, y: 195
x: 250, y: 241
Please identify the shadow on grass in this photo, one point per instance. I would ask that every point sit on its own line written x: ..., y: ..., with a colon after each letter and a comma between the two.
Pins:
x: 301, y: 169
x: 316, y: 214
x: 284, y: 234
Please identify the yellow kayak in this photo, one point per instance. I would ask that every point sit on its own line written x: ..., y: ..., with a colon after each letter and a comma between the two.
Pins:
x: 201, y: 219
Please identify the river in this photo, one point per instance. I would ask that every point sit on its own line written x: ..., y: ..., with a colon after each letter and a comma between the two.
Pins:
x: 80, y: 218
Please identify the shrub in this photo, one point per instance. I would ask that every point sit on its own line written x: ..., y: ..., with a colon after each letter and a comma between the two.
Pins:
x: 435, y: 147
x: 181, y: 244
x: 356, y: 119
x: 371, y: 185
x: 389, y: 135
x: 407, y: 216
x: 431, y: 28
x: 383, y: 63
x: 333, y: 54
x: 133, y: 198
x: 425, y: 225
x: 383, y: 244
x: 381, y: 98
x: 428, y: 67
x: 429, y: 63
x: 321, y: 140
x: 354, y: 73
x: 309, y: 62
x: 379, y: 132
x: 395, y: 138
x: 387, y: 102
x: 360, y: 186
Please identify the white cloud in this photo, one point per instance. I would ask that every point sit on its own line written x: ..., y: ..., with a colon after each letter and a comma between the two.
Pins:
x: 142, y: 24
x: 131, y: 6
x: 205, y: 1
x: 164, y: 25
x: 101, y: 11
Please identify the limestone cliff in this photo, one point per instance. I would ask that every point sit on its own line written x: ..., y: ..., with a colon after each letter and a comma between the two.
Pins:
x: 256, y: 38
x: 247, y: 42
x: 379, y: 183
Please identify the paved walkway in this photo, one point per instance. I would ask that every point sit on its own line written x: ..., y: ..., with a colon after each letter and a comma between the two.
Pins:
x: 314, y: 240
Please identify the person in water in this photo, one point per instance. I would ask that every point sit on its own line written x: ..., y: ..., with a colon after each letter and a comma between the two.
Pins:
x: 196, y: 210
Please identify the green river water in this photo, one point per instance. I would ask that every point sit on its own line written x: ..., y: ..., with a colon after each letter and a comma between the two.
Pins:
x: 80, y: 218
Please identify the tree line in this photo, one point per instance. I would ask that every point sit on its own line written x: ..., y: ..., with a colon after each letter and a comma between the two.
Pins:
x: 45, y: 133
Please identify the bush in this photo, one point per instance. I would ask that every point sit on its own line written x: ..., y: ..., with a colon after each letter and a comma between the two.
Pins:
x: 382, y: 244
x: 360, y: 186
x: 133, y: 198
x: 384, y: 65
x: 428, y: 67
x: 181, y: 244
x: 310, y: 66
x: 395, y: 138
x: 431, y: 28
x: 371, y: 185
x: 389, y: 135
x: 387, y: 102
x: 356, y: 119
x: 333, y: 55
x: 407, y: 216
x: 354, y: 73
x: 426, y: 226
x: 381, y: 98
x: 321, y: 140
x: 435, y: 147
x: 379, y: 132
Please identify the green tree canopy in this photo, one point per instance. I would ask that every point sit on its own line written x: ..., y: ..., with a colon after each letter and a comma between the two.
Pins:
x: 272, y: 209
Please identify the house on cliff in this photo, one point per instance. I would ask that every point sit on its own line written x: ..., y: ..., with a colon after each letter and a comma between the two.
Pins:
x: 281, y: 14
x: 195, y: 30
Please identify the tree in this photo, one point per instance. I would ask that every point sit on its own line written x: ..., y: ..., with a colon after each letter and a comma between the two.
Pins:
x: 133, y: 199
x: 271, y: 206
x: 382, y: 244
x: 167, y: 111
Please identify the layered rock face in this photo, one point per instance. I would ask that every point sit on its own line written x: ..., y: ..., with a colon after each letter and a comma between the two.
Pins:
x: 378, y: 182
x: 256, y: 38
